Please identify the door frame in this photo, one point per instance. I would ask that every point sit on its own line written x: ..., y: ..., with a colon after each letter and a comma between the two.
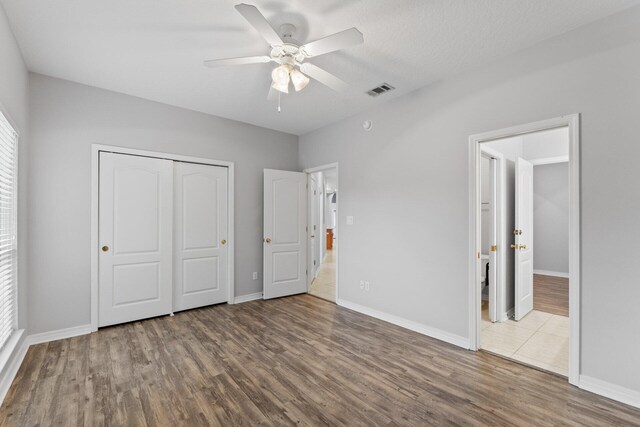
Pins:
x: 96, y: 149
x: 571, y: 121
x: 309, y: 171
x: 501, y: 238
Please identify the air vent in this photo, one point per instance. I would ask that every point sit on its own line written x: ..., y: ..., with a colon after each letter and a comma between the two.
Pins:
x: 383, y: 88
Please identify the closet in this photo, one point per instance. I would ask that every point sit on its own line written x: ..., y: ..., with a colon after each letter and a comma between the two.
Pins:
x: 163, y: 228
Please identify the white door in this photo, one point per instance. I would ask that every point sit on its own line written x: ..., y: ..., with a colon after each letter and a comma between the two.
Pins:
x: 493, y: 241
x: 524, y: 239
x: 200, y: 244
x: 285, y: 237
x: 135, y: 235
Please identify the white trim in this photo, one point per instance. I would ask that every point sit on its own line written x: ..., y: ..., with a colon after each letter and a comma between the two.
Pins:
x: 551, y: 273
x: 95, y: 173
x: 247, y: 298
x: 612, y: 391
x: 322, y: 168
x: 309, y: 171
x: 549, y: 160
x: 573, y: 123
x: 12, y: 356
x: 59, y: 334
x: 429, y: 331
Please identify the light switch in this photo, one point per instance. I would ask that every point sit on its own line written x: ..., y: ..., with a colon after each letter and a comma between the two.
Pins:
x: 349, y: 220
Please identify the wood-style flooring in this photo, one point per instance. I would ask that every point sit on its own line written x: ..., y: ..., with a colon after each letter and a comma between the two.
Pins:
x: 297, y: 360
x: 551, y: 294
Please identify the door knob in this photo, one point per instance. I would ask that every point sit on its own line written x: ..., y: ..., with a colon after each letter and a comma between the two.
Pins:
x: 523, y: 247
x: 514, y: 246
x: 268, y: 240
x: 224, y: 242
x: 105, y: 248
x: 313, y: 235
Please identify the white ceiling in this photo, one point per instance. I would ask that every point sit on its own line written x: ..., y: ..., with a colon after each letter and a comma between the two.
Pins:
x: 154, y: 49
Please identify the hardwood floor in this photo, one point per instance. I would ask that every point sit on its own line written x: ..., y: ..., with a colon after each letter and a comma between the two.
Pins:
x: 296, y: 360
x: 551, y: 294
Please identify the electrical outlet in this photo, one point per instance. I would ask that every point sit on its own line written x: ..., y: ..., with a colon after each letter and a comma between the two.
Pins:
x: 361, y: 284
x: 349, y: 220
x: 366, y: 286
x: 255, y: 275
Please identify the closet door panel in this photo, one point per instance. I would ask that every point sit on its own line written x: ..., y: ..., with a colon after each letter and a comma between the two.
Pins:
x: 136, y: 238
x: 200, y: 249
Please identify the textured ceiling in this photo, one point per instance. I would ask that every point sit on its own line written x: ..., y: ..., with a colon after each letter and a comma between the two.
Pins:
x: 154, y: 49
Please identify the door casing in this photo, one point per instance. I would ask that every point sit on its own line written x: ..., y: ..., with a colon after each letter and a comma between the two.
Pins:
x: 96, y: 149
x: 308, y: 171
x: 572, y: 122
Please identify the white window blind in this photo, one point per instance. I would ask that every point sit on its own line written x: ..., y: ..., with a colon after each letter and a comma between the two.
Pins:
x: 8, y: 241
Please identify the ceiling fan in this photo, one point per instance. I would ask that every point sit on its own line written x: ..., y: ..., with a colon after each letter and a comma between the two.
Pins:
x: 291, y: 55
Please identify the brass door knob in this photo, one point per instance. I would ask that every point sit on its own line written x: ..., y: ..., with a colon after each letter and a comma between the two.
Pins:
x: 268, y: 240
x: 224, y: 242
x: 105, y: 248
x: 514, y: 246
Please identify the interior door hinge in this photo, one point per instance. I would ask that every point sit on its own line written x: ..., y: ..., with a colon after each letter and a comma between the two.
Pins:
x: 493, y: 248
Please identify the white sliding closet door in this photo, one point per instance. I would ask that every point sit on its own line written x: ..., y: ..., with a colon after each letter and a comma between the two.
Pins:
x: 201, y: 250
x: 135, y: 232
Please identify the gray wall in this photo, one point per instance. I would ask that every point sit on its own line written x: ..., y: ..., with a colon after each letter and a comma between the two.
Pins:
x: 14, y: 105
x: 551, y: 217
x: 66, y: 118
x: 416, y: 159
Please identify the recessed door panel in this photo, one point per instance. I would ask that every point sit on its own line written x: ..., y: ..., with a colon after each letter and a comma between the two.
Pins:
x: 285, y: 221
x: 286, y: 267
x: 135, y: 235
x: 136, y: 194
x: 200, y: 274
x: 199, y: 206
x: 136, y: 283
x: 285, y: 197
x: 201, y: 243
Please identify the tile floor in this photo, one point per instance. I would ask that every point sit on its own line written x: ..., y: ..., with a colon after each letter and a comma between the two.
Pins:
x: 324, y: 285
x: 539, y: 339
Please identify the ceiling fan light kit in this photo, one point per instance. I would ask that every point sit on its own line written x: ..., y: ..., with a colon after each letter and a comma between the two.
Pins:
x: 290, y: 55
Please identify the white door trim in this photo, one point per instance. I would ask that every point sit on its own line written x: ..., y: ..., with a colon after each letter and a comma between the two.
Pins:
x: 549, y: 160
x: 308, y: 171
x: 572, y: 121
x: 94, y: 250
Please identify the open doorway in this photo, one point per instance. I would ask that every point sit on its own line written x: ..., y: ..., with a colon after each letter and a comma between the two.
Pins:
x: 323, y: 232
x: 525, y: 240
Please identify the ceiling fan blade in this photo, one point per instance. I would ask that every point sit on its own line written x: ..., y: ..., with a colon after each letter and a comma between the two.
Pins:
x: 324, y: 77
x: 260, y: 23
x: 337, y: 41
x: 214, y: 63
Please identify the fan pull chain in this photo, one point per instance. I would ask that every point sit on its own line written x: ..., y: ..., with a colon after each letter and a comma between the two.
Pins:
x: 279, y: 109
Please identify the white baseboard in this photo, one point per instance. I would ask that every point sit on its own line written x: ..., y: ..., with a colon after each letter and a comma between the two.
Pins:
x: 551, y: 273
x: 247, y: 298
x: 612, y: 391
x: 408, y: 324
x: 11, y: 369
x: 59, y: 334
